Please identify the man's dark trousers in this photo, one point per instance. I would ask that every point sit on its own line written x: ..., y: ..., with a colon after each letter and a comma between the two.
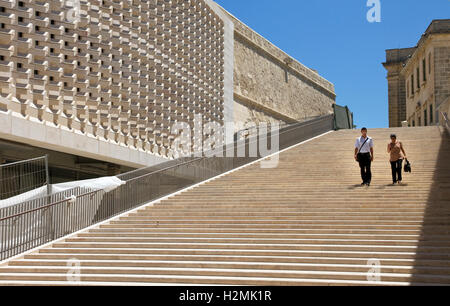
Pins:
x: 365, y: 163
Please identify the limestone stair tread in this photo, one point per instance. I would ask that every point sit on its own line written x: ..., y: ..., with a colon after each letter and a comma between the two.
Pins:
x: 306, y: 222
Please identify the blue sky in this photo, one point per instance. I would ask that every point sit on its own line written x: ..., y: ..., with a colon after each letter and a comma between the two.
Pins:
x: 335, y: 38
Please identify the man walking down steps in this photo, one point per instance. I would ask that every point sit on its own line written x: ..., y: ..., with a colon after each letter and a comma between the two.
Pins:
x: 364, y: 155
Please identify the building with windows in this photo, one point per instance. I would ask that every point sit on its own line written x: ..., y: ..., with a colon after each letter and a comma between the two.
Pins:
x: 419, y: 78
x: 99, y: 84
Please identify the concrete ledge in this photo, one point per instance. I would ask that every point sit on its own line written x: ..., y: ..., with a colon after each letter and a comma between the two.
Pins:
x: 15, y: 127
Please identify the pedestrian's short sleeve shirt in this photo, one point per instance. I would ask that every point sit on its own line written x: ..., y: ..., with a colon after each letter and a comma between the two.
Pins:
x: 367, y: 145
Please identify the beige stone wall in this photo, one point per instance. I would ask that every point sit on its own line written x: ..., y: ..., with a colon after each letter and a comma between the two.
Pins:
x: 442, y: 74
x: 420, y: 98
x: 424, y: 95
x: 395, y: 59
x: 271, y: 86
x: 418, y: 77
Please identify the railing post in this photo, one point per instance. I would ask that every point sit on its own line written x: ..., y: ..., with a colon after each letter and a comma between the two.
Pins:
x: 49, y: 194
x: 47, y: 176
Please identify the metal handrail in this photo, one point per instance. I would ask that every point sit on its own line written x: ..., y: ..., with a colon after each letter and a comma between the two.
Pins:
x: 446, y: 120
x: 37, y: 222
x: 140, y: 177
x: 23, y: 176
x: 282, y: 130
x: 165, y: 169
x: 47, y: 206
x: 22, y: 161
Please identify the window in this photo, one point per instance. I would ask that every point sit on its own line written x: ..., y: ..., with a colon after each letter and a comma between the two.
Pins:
x: 66, y: 43
x: 2, y: 9
x: 38, y: 13
x: 65, y: 84
x: 36, y: 43
x: 2, y: 25
x: 429, y: 63
x: 66, y: 30
x: 418, y: 77
x: 78, y: 89
x: 52, y: 21
x: 19, y: 65
x: 413, y: 123
x: 20, y: 19
x: 20, y: 34
x: 52, y: 50
x: 36, y: 28
x: 36, y: 72
x: 425, y: 117
x: 424, y: 67
x: 431, y: 113
x: 2, y: 58
x: 407, y: 87
x: 21, y: 3
x: 51, y: 79
x: 52, y: 36
x: 420, y: 121
x: 412, y: 84
x: 65, y: 57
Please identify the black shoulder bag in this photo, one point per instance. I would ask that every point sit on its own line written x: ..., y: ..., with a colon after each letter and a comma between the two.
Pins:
x: 359, y: 152
x: 407, y: 167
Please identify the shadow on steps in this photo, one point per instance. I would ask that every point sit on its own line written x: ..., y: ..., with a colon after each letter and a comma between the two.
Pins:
x: 433, y: 250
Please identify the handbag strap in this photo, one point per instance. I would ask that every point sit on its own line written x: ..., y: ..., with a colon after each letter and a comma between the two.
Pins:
x: 363, y: 145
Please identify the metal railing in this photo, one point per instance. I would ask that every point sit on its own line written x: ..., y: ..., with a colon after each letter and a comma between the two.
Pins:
x: 23, y: 176
x: 445, y: 121
x: 32, y: 224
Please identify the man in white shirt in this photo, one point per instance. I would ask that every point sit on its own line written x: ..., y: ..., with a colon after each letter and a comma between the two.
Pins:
x: 364, y: 155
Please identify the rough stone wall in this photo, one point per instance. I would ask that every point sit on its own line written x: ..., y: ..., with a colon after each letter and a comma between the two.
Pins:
x: 395, y: 58
x: 442, y: 74
x: 397, y: 100
x: 271, y: 86
x: 394, y: 84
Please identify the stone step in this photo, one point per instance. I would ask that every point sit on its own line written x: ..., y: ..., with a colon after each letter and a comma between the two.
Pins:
x: 261, y: 247
x: 27, y: 266
x: 249, y: 259
x: 260, y: 241
x: 369, y: 254
x: 137, y: 275
x: 305, y: 222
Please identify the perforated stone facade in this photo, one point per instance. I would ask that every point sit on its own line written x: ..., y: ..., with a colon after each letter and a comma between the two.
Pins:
x: 107, y: 79
x: 123, y: 73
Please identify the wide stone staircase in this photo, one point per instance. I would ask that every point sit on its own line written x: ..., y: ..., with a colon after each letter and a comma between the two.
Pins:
x: 306, y: 222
